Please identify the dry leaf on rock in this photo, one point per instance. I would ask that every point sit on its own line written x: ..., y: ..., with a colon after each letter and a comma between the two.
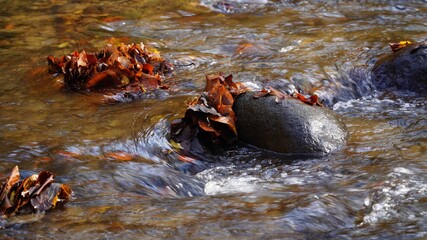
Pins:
x: 211, y: 115
x: 399, y: 45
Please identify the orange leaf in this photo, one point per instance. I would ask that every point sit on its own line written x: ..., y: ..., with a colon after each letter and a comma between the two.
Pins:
x: 105, y: 79
x: 9, y: 26
x: 148, y: 69
x: 206, y: 126
x: 243, y: 48
x: 121, y: 156
x: 225, y: 120
x: 111, y: 19
x: 264, y: 92
x: 149, y: 81
x: 68, y: 154
x: 299, y: 96
x: 186, y: 159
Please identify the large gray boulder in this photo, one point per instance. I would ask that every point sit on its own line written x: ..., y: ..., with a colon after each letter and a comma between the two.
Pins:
x: 405, y: 69
x: 288, y: 126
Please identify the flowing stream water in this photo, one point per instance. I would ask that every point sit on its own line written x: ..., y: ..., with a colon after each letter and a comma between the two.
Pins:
x: 374, y: 187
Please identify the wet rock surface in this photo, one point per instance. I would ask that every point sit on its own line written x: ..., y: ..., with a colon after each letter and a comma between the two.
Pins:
x: 405, y: 69
x: 288, y: 126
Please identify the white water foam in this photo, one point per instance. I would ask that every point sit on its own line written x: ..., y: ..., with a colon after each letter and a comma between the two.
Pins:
x: 396, y: 198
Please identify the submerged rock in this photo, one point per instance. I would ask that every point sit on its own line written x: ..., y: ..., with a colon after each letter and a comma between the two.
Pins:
x: 287, y: 126
x: 405, y: 69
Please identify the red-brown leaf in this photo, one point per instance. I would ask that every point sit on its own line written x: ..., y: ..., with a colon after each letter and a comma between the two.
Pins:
x: 121, y: 156
x: 105, y: 79
x: 148, y: 69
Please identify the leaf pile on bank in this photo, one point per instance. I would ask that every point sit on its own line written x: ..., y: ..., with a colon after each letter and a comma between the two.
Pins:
x: 211, y: 116
x: 36, y: 193
x: 131, y: 68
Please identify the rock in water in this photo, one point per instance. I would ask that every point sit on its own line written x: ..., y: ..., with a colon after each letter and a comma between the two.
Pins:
x: 405, y: 69
x: 288, y: 126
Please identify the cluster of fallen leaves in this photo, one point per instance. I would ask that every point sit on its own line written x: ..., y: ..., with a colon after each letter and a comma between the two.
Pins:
x: 311, y: 100
x: 399, y: 45
x: 36, y: 193
x: 211, y: 117
x: 129, y: 68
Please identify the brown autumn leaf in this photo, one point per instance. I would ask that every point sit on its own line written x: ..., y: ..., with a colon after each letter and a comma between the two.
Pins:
x: 252, y: 50
x: 270, y: 91
x: 207, y: 127
x: 148, y: 69
x: 244, y: 47
x: 9, y: 26
x: 111, y: 19
x: 264, y: 92
x: 186, y: 159
x: 399, y: 45
x: 48, y: 198
x: 230, y: 122
x: 313, y: 100
x: 10, y: 181
x: 35, y: 193
x: 120, y: 156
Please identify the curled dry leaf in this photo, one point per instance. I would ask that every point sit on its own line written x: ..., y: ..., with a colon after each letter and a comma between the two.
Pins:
x: 125, y: 68
x: 10, y: 181
x: 36, y: 193
x: 312, y: 100
x: 211, y: 115
x: 270, y: 91
x: 399, y: 45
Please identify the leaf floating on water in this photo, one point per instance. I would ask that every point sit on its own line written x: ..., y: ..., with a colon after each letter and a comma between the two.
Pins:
x: 63, y: 45
x: 111, y: 19
x: 121, y: 156
x: 186, y: 159
x: 36, y: 193
x: 399, y: 45
x: 251, y: 50
x: 9, y: 26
